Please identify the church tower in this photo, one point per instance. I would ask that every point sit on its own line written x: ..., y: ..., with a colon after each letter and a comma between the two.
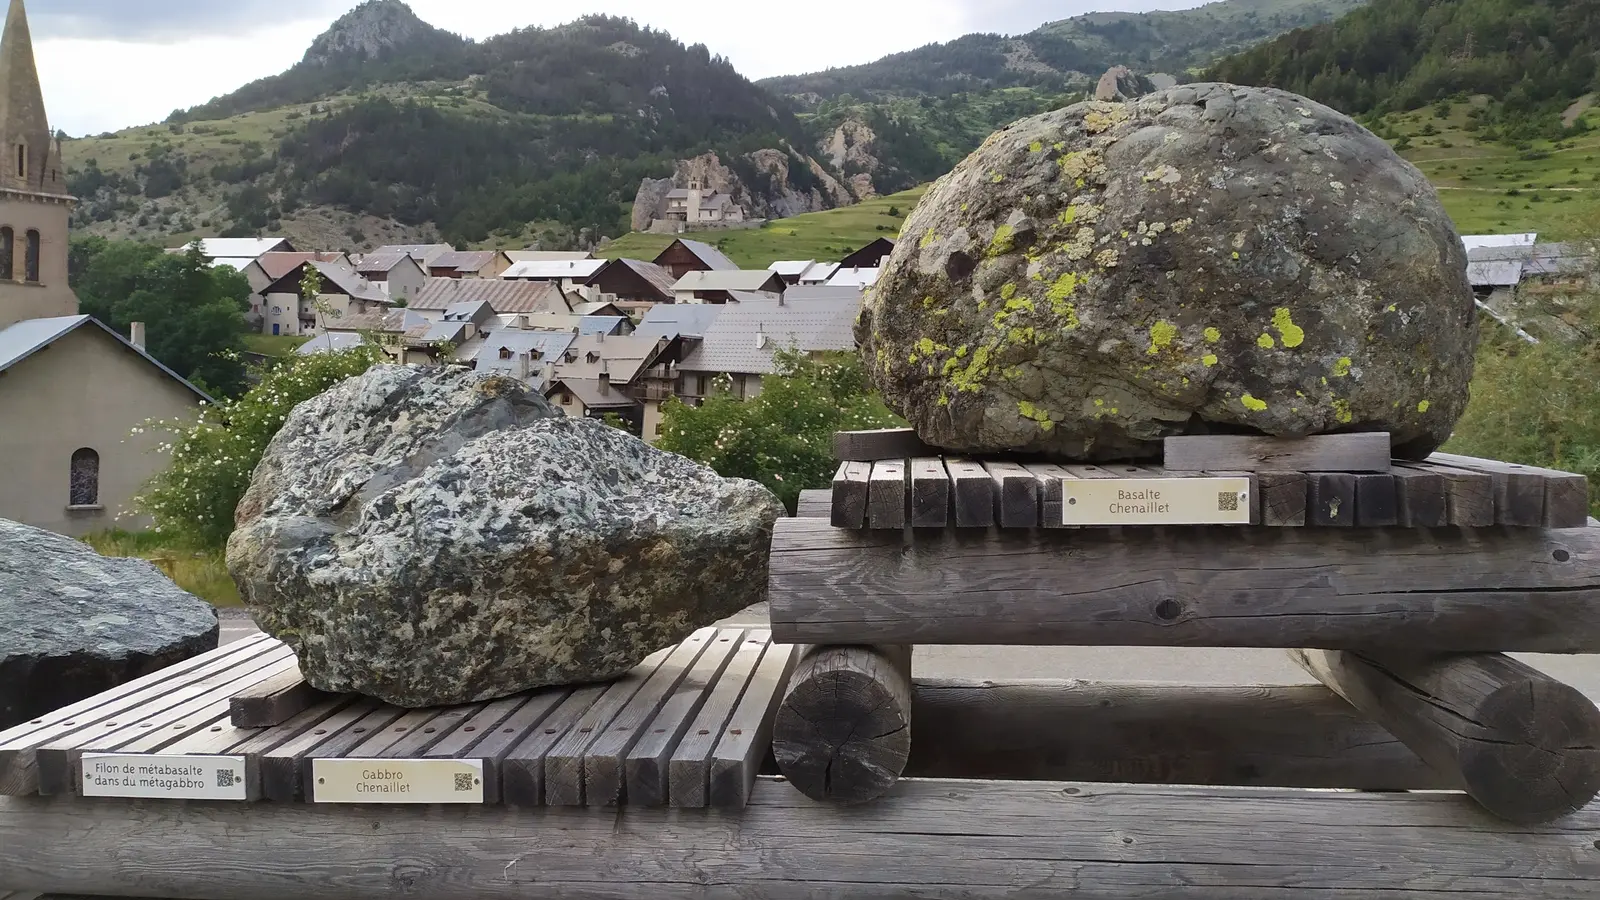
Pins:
x: 35, y: 208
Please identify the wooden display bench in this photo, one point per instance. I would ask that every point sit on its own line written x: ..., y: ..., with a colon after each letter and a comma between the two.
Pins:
x: 1401, y: 598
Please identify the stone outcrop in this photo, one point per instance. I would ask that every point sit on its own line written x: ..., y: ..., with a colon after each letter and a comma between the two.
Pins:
x: 1208, y: 258
x: 74, y: 623
x: 650, y: 201
x: 440, y: 536
x: 1121, y: 83
x: 779, y: 199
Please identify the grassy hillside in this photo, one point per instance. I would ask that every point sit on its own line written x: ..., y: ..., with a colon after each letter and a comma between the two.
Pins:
x: 823, y: 236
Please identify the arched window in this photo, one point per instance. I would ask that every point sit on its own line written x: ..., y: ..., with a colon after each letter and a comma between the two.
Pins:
x: 8, y: 244
x: 85, y: 489
x: 30, y: 263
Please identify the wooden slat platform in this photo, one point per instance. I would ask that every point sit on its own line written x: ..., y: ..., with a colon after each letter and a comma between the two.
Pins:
x: 934, y: 492
x: 695, y: 708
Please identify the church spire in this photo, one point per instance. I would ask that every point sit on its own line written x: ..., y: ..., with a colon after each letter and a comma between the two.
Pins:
x: 29, y: 160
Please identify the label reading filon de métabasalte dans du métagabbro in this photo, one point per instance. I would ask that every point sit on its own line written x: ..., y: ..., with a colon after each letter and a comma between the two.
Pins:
x: 164, y: 777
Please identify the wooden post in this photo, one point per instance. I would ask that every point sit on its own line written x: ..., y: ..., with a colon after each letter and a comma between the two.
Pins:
x: 843, y: 731
x: 1526, y: 746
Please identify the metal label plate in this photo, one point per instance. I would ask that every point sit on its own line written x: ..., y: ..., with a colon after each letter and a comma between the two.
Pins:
x: 1155, y: 501
x: 164, y: 777
x: 397, y: 781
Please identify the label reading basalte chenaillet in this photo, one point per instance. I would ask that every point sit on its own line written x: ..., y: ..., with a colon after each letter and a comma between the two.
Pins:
x: 164, y: 777
x: 397, y: 780
x: 1156, y: 501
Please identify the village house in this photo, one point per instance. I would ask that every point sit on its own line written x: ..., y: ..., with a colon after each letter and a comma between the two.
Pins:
x: 397, y: 273
x: 729, y: 286
x: 683, y: 256
x: 424, y: 254
x: 265, y: 270
x: 236, y: 252
x: 344, y: 293
x: 72, y: 391
x: 804, y: 271
x: 872, y: 256
x: 687, y: 320
x: 740, y: 343
x: 517, y: 256
x: 598, y: 374
x: 855, y: 278
x: 569, y: 274
x: 637, y: 286
x: 527, y: 355
x: 506, y: 298
x: 699, y: 205
x: 469, y: 264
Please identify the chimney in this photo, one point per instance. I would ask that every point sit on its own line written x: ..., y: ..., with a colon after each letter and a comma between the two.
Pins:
x: 605, y: 383
x: 524, y: 366
x: 136, y: 334
x: 600, y: 337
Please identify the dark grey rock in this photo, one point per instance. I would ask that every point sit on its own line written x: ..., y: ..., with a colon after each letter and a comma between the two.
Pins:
x: 433, y: 537
x: 1205, y: 259
x: 74, y: 623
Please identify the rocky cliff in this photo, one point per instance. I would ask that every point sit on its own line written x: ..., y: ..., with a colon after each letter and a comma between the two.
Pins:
x: 766, y: 184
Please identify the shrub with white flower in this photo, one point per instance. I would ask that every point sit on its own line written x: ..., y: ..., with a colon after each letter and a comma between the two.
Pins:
x: 214, y: 456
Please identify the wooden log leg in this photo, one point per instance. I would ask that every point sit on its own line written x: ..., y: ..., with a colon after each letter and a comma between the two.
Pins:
x: 1526, y: 746
x: 843, y: 731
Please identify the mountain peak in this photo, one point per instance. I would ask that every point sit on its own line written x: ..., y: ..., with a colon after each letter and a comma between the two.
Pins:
x: 369, y: 31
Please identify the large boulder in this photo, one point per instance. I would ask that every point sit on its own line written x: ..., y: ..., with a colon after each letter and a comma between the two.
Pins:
x: 1121, y: 83
x: 74, y: 623
x: 433, y: 537
x: 1206, y: 258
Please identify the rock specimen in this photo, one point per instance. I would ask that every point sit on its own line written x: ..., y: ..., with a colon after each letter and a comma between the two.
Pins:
x: 74, y: 623
x: 433, y: 537
x: 1120, y: 83
x: 1206, y: 258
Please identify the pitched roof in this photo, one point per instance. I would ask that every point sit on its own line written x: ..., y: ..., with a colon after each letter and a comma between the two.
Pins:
x: 555, y: 270
x: 854, y: 277
x: 475, y: 311
x: 669, y: 320
x: 280, y: 263
x: 548, y: 344
x: 464, y: 260
x: 349, y: 281
x: 29, y: 336
x: 601, y: 324
x: 597, y: 308
x: 331, y: 342
x: 1474, y: 241
x: 730, y: 280
x: 396, y: 321
x: 1496, y: 273
x: 382, y: 261
x: 236, y: 248
x: 707, y: 254
x: 517, y: 256
x: 503, y: 296
x: 587, y: 390
x: 622, y: 358
x: 658, y: 277
x: 423, y: 253
x: 564, y: 322
x: 819, y: 273
x: 792, y: 268
x: 744, y: 336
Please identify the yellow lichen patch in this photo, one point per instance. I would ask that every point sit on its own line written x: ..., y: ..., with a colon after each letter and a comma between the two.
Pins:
x: 961, y: 352
x: 1008, y: 290
x: 1004, y: 241
x: 971, y: 378
x: 1036, y: 147
x: 1423, y: 406
x: 1392, y: 308
x: 1341, y: 411
x: 998, y: 177
x: 926, y: 346
x: 1105, y: 117
x: 1266, y: 342
x: 1342, y: 367
x: 1106, y: 258
x: 1293, y: 335
x: 928, y: 302
x: 1212, y: 335
x: 1235, y: 254
x: 1162, y: 335
x: 944, y: 399
x: 914, y: 359
x: 1253, y: 404
x: 1182, y: 225
x: 1210, y: 359
x: 928, y: 238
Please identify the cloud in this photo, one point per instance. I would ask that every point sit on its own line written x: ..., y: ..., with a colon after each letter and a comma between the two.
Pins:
x: 164, y: 21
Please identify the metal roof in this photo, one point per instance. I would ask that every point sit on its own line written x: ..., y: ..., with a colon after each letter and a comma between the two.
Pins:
x: 383, y: 260
x: 423, y: 253
x: 464, y: 260
x: 517, y: 256
x: 475, y: 311
x: 819, y: 273
x: 502, y: 296
x: 602, y: 324
x: 29, y: 336
x: 331, y: 342
x: 730, y: 280
x: 548, y: 344
x: 555, y: 270
x: 278, y: 264
x: 854, y: 277
x: 587, y: 390
x: 233, y: 262
x: 622, y: 358
x: 792, y: 268
x: 669, y: 320
x: 658, y: 277
x: 744, y: 336
x: 1474, y: 241
x: 711, y: 256
x: 236, y: 248
x: 1507, y: 273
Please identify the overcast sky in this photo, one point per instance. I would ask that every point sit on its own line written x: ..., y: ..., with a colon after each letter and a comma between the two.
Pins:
x: 110, y: 64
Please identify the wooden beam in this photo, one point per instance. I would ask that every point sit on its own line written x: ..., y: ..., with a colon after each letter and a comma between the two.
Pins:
x: 1283, y: 498
x: 1566, y: 494
x: 1016, y: 495
x: 1290, y: 736
x: 1338, y: 588
x: 843, y: 730
x: 874, y: 446
x: 973, y: 493
x: 818, y: 505
x: 747, y: 736
x: 273, y: 701
x: 930, y: 493
x: 850, y: 495
x: 1469, y: 496
x: 1376, y: 501
x: 1525, y: 746
x: 1421, y: 500
x: 1363, y: 452
x: 886, y: 504
x: 928, y: 838
x: 1331, y: 499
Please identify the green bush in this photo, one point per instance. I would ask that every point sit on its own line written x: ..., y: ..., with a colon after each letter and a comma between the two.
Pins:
x: 214, y: 456
x: 783, y: 438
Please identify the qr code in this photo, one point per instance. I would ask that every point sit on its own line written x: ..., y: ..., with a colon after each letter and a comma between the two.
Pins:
x: 463, y: 781
x: 1227, y: 501
x: 225, y: 778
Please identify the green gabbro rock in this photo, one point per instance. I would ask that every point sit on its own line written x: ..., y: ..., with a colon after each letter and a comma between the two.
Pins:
x: 431, y: 537
x: 1209, y: 258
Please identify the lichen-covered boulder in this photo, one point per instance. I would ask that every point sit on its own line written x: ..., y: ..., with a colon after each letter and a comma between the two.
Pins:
x: 74, y: 623
x: 434, y: 537
x: 1209, y: 258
